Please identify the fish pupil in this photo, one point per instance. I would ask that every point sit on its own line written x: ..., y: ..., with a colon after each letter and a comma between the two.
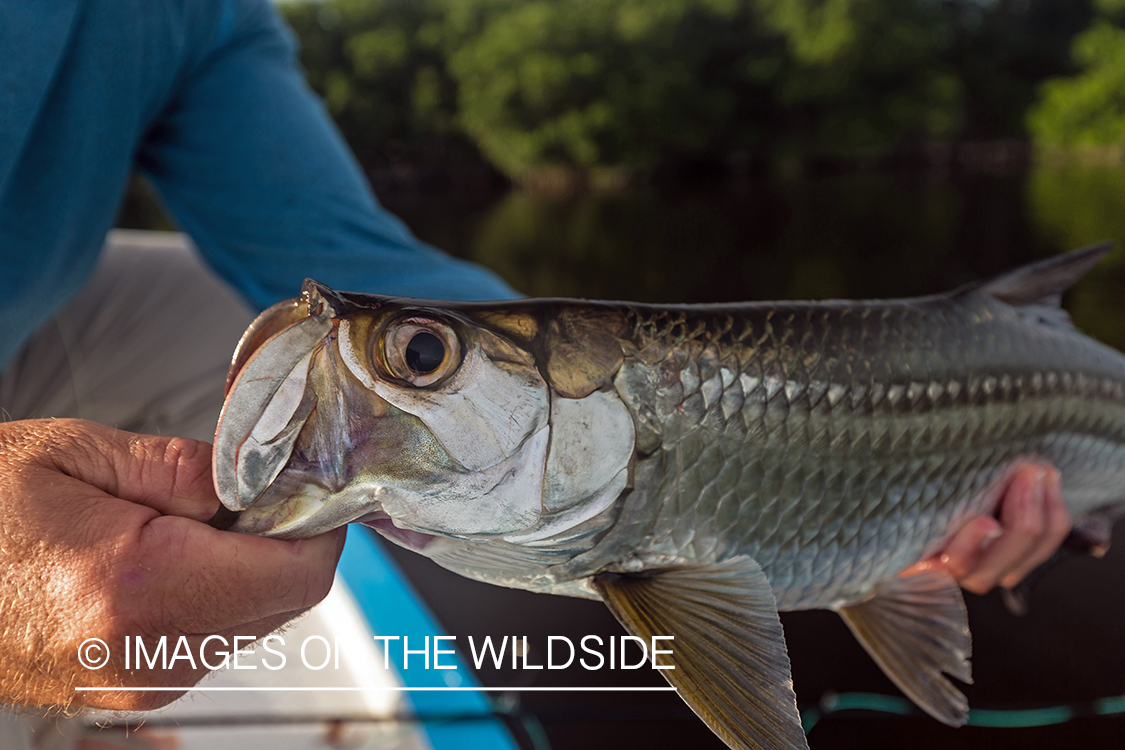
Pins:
x: 424, y: 353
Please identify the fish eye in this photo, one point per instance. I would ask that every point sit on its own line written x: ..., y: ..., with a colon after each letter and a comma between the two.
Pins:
x: 420, y: 351
x: 424, y: 353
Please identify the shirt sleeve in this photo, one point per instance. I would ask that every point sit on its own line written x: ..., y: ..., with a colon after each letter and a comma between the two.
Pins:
x: 248, y: 161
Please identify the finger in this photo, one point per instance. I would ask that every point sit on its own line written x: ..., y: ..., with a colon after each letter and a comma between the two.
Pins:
x: 148, y: 573
x: 207, y: 581
x: 1057, y: 526
x: 964, y: 551
x: 171, y: 475
x: 1024, y: 520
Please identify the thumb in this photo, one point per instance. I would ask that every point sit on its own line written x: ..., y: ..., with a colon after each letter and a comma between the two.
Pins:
x: 168, y: 474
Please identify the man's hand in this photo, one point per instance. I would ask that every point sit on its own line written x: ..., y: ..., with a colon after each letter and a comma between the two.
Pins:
x: 102, y: 535
x: 1033, y: 522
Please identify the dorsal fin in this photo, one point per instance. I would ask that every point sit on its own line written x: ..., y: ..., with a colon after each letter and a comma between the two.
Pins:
x: 1043, y: 283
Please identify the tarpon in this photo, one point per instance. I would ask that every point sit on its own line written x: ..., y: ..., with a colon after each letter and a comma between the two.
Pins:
x: 697, y: 467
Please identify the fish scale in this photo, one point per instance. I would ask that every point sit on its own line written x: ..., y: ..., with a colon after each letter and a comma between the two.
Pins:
x: 939, y: 444
x: 697, y: 468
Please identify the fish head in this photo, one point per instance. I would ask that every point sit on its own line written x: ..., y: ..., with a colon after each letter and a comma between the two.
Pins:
x: 424, y: 420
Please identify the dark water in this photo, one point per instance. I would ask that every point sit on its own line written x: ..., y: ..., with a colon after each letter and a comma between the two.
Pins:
x: 854, y: 235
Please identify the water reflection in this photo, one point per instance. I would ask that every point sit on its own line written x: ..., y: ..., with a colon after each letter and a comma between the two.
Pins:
x: 852, y: 235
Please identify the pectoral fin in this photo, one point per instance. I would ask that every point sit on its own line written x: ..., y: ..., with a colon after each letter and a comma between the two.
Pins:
x: 729, y: 650
x: 916, y: 628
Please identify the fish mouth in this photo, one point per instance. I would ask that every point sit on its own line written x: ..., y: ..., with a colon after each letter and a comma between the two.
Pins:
x: 314, y: 434
x: 268, y: 401
x: 292, y: 509
x: 289, y: 438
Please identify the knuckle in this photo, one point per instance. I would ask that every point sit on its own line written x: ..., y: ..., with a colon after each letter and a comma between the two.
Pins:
x: 191, y: 464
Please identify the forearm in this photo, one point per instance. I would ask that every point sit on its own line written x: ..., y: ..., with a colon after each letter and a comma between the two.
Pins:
x: 251, y: 165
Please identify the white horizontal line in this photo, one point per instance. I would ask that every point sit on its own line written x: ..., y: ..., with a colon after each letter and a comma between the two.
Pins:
x: 397, y: 689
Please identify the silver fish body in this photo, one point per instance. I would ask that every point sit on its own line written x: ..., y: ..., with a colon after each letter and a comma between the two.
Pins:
x: 838, y: 443
x: 690, y: 465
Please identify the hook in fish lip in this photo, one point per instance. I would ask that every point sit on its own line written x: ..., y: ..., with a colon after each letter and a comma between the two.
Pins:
x: 317, y: 297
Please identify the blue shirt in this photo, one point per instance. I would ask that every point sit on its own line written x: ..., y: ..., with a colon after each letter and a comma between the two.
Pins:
x: 203, y: 97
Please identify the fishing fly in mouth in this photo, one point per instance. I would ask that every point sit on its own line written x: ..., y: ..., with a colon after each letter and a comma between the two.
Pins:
x: 697, y: 468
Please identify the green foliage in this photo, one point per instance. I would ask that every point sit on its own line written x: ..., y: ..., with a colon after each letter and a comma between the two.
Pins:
x: 1088, y: 110
x: 1110, y: 8
x: 1078, y: 204
x: 589, y: 83
x: 597, y: 85
x: 1002, y: 51
x: 864, y: 74
x: 380, y: 67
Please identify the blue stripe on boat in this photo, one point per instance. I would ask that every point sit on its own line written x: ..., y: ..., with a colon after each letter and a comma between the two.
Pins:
x: 392, y: 607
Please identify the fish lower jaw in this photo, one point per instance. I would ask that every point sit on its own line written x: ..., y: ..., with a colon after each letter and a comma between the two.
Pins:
x: 308, y: 512
x: 273, y: 527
